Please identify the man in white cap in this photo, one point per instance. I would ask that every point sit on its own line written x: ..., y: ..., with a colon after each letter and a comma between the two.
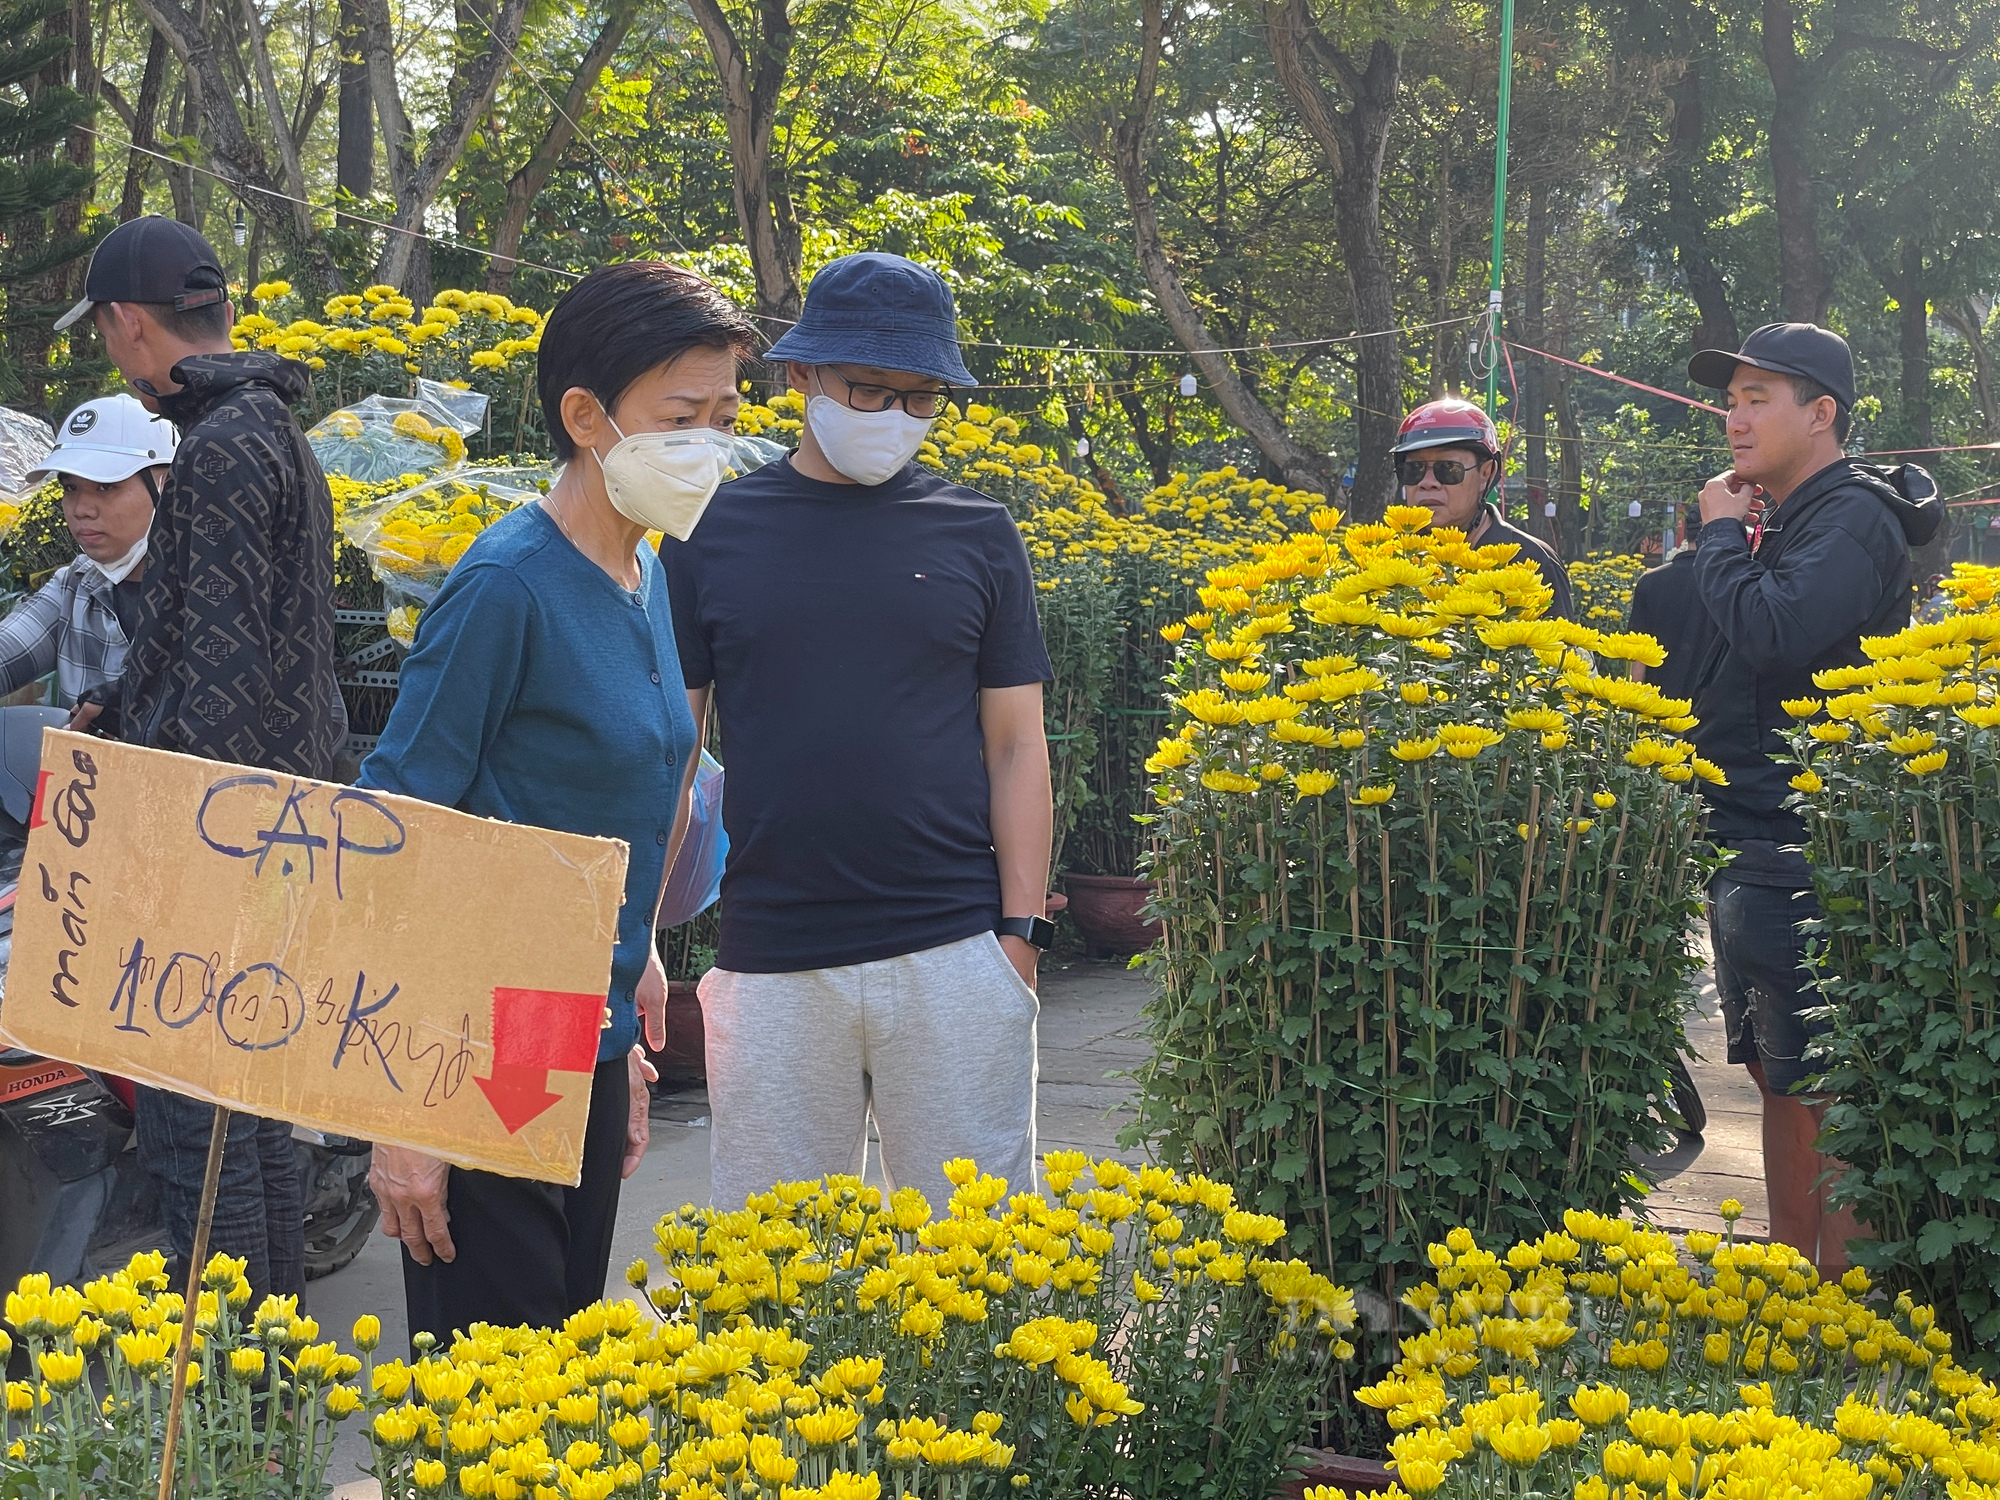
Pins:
x: 111, y: 457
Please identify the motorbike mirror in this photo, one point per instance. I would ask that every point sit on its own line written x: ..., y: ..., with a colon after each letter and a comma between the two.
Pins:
x: 21, y: 729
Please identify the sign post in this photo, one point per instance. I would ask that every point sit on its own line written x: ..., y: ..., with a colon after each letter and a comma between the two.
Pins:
x: 211, y: 1176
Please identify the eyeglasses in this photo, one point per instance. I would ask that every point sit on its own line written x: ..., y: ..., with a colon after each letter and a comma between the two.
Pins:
x: 861, y: 396
x: 1448, y: 470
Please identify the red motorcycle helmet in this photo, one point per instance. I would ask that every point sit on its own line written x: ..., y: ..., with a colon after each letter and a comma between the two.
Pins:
x: 1451, y: 422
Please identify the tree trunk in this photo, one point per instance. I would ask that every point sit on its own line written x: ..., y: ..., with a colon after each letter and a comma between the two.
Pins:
x: 1569, y: 471
x: 274, y: 115
x: 145, y: 116
x: 1531, y: 418
x: 1443, y: 339
x: 764, y: 207
x: 1103, y: 478
x: 180, y: 180
x: 1913, y: 339
x: 354, y: 157
x: 1298, y: 468
x: 1687, y: 145
x: 1967, y: 321
x: 485, y: 43
x: 1157, y: 448
x: 1353, y: 142
x: 1804, y: 288
x: 237, y: 155
x: 526, y: 183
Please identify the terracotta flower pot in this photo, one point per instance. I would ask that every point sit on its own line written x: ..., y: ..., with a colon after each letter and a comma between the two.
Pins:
x: 1107, y: 912
x: 1358, y: 1476
x: 684, y: 1059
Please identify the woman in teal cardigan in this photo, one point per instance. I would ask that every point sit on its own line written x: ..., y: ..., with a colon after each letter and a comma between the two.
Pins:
x: 544, y: 688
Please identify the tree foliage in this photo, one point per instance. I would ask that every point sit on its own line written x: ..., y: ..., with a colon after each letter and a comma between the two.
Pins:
x: 1288, y: 201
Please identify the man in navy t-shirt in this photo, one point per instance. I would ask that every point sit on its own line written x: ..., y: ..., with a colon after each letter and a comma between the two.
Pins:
x: 867, y: 630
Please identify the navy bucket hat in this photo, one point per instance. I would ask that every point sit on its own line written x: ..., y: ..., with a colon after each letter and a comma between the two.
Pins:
x: 881, y: 310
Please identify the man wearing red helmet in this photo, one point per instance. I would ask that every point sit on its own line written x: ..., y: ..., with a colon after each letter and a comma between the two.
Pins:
x: 1448, y: 459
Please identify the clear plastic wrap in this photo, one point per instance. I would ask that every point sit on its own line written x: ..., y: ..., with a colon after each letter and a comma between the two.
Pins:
x: 380, y: 438
x: 414, y: 536
x: 24, y: 442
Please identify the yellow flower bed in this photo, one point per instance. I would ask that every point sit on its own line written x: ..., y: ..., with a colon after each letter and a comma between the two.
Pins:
x: 1602, y: 585
x: 1899, y: 785
x: 821, y: 1344
x: 1599, y: 1362
x: 1415, y: 643
x: 476, y: 329
x: 88, y: 1419
x: 1426, y: 865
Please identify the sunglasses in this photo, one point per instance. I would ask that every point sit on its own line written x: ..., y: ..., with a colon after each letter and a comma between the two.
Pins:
x: 1448, y: 470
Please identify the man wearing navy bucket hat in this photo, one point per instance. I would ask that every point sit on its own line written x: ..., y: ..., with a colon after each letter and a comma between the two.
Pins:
x: 867, y: 630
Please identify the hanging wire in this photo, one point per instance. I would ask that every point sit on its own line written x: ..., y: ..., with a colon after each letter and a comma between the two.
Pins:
x: 581, y: 134
x: 1481, y: 352
x: 249, y: 187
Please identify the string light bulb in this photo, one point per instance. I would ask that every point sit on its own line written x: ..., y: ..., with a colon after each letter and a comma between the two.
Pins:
x: 1633, y: 510
x: 1188, y: 384
x: 1083, y: 447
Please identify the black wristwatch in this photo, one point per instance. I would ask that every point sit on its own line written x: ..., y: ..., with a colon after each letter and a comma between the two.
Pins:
x: 1037, y: 930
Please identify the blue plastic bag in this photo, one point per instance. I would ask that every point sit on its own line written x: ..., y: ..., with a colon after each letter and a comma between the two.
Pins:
x: 696, y: 878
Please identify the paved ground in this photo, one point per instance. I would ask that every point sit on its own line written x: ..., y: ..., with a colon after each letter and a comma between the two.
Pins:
x: 1091, y: 1032
x: 1727, y: 1159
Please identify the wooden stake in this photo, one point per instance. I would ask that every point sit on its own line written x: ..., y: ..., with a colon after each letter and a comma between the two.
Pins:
x: 197, y: 1258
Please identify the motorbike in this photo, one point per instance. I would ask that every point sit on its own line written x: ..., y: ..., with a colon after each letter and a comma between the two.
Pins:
x: 74, y: 1201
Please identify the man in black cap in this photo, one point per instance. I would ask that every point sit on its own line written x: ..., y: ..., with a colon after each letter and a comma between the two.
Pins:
x: 1803, y: 551
x: 232, y: 654
x: 868, y: 631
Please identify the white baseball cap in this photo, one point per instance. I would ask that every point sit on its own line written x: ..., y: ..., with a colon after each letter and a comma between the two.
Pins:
x: 109, y: 439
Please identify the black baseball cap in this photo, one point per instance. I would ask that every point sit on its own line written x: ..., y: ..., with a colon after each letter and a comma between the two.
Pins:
x: 153, y: 259
x: 1786, y: 349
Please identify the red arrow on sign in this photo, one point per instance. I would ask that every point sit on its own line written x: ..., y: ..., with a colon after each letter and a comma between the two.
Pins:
x: 535, y: 1033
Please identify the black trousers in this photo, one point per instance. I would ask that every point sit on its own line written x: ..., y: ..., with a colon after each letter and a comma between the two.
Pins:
x: 528, y: 1252
x: 258, y: 1210
x: 1762, y: 979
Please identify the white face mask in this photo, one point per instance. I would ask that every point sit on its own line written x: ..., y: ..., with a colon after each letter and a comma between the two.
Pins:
x: 663, y: 481
x: 869, y: 447
x: 121, y: 568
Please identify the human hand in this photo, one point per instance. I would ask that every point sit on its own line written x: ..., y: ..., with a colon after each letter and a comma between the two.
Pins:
x: 83, y: 716
x: 410, y: 1186
x: 651, y: 997
x: 1727, y: 497
x: 1024, y: 956
x: 639, y: 1122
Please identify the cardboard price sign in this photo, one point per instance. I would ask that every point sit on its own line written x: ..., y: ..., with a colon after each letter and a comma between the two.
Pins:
x: 359, y: 963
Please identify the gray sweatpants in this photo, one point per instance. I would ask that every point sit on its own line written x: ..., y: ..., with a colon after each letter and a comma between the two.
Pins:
x: 939, y: 1045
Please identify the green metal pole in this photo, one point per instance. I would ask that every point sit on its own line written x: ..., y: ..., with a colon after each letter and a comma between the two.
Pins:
x: 1499, y: 203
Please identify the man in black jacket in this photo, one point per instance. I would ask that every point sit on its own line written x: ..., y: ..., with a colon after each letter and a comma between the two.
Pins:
x: 233, y: 655
x: 1666, y: 606
x: 1803, y: 551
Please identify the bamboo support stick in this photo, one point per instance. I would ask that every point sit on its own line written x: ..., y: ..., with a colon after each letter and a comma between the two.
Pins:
x: 211, y: 1179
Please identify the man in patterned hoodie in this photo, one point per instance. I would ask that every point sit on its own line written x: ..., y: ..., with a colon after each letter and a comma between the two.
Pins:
x: 232, y: 657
